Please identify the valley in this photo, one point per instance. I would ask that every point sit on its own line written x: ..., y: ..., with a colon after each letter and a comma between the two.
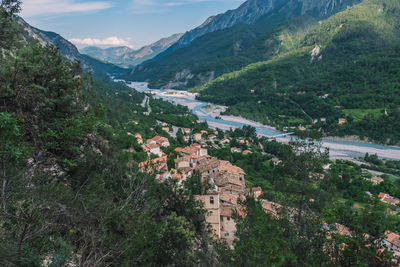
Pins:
x: 339, y: 149
x: 266, y: 136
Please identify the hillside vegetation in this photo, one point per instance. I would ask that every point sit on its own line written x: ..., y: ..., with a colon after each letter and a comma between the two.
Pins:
x: 348, y: 64
x: 230, y: 49
x: 72, y: 193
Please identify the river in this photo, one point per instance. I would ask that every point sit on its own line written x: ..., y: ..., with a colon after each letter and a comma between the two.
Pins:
x: 338, y: 149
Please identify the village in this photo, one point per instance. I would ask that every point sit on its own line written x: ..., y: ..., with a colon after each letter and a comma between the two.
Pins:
x: 223, y: 185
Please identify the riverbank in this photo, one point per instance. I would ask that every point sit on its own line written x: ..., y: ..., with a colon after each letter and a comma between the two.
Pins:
x: 339, y: 148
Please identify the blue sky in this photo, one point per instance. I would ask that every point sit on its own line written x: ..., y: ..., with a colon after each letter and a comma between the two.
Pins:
x: 120, y: 22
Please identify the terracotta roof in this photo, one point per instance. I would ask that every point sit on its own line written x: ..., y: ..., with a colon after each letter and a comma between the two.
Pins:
x: 227, y: 167
x: 235, y: 181
x: 376, y: 180
x: 157, y: 163
x: 176, y: 174
x: 246, y: 152
x: 207, y: 164
x: 276, y: 160
x: 392, y: 238
x: 179, y: 149
x: 182, y: 159
x: 227, y: 211
x: 228, y: 198
x: 342, y: 230
x: 381, y: 195
x: 254, y: 189
x: 158, y: 139
x: 190, y: 150
x: 148, y: 147
x: 158, y: 160
x: 271, y: 208
x: 391, y: 200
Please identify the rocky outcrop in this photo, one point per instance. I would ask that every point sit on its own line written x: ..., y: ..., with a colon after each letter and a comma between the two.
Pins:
x: 252, y: 10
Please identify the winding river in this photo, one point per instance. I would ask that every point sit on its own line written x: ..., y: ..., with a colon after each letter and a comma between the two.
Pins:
x: 339, y: 149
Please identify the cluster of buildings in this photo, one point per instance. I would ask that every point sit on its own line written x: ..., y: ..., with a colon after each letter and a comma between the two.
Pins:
x: 386, y: 198
x: 223, y: 186
x: 376, y: 180
x: 153, y: 145
x: 391, y: 242
x: 222, y: 183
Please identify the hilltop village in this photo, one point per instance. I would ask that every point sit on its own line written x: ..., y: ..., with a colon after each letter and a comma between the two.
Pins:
x: 223, y: 185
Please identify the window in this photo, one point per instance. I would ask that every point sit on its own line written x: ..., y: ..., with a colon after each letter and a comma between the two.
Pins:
x: 228, y: 218
x: 226, y: 234
x: 211, y: 200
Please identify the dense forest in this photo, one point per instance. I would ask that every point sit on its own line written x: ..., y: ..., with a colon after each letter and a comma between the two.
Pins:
x: 346, y: 67
x: 69, y: 192
x: 72, y: 195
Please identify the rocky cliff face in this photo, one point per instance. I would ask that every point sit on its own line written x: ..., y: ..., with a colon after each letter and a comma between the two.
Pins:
x: 67, y: 49
x: 252, y: 10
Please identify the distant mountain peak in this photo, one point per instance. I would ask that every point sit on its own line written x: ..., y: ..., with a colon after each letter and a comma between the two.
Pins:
x: 124, y: 56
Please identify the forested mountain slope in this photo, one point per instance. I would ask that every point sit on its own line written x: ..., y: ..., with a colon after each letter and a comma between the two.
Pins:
x: 71, y: 191
x: 67, y: 49
x: 232, y: 46
x: 346, y: 66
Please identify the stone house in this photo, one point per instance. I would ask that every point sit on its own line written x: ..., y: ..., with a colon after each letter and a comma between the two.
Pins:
x: 211, y: 204
x: 159, y: 140
x: 152, y: 149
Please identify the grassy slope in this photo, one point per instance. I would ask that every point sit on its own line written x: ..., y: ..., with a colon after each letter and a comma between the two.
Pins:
x: 359, y: 69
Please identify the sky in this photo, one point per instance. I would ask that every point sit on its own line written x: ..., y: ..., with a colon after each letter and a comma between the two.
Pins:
x: 132, y: 23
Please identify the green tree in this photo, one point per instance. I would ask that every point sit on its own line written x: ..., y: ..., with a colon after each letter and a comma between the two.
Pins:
x: 8, y: 29
x: 179, y: 138
x: 260, y: 240
x: 174, y: 240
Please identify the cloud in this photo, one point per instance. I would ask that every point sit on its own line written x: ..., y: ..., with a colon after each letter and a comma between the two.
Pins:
x: 33, y: 8
x: 107, y: 42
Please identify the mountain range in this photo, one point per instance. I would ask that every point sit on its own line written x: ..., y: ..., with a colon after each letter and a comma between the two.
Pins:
x: 126, y: 57
x: 230, y: 41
